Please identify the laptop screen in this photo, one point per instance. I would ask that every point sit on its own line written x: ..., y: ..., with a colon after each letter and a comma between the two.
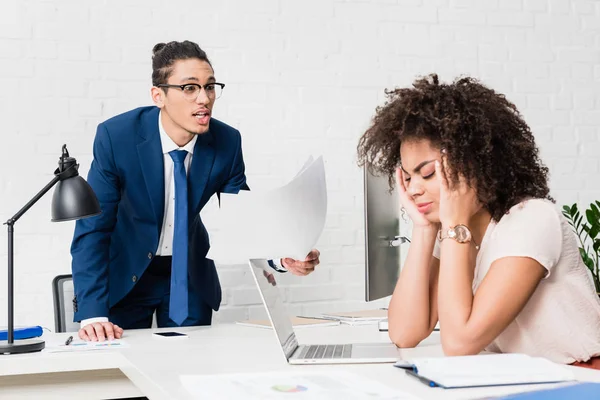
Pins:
x: 266, y: 280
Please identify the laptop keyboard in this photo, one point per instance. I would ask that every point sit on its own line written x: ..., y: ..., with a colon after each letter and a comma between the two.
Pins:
x: 320, y: 351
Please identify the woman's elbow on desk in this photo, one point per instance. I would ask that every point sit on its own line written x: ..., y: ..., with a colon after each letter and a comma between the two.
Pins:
x: 453, y: 346
x: 404, y: 338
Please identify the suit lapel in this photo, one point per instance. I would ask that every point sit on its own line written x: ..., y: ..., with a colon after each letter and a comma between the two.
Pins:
x: 152, y: 163
x: 199, y: 173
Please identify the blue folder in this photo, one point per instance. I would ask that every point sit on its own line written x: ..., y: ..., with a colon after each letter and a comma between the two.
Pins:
x: 25, y: 332
x: 578, y: 391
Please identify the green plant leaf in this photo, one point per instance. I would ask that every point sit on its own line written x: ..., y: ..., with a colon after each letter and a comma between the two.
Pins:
x: 595, y: 211
x: 593, y: 232
x: 583, y: 228
x: 589, y: 263
x: 574, y: 208
x: 591, y: 217
x: 596, y: 245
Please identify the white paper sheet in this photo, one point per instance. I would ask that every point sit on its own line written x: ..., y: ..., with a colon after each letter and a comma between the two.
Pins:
x: 80, y: 345
x: 284, y: 222
x: 331, y: 385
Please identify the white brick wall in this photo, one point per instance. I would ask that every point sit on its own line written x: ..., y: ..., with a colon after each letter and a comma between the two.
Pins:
x: 303, y: 77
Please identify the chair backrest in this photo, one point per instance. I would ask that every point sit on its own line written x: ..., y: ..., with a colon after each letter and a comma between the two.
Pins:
x: 62, y: 294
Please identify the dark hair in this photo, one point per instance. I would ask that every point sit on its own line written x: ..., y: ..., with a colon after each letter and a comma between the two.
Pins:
x: 165, y: 54
x: 484, y: 136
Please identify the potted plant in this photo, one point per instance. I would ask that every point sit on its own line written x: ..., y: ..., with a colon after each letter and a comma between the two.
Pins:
x: 587, y: 232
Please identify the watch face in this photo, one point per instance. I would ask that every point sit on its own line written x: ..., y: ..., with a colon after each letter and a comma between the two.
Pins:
x: 463, y: 234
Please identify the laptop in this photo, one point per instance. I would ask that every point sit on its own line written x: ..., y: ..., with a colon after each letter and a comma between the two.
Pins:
x: 295, y: 353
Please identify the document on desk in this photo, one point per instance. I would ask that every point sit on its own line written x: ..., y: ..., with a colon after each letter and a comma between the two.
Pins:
x: 80, y: 345
x: 485, y: 370
x: 323, y: 385
x: 283, y: 222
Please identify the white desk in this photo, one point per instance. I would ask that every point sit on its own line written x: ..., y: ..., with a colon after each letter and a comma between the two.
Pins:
x: 153, y: 365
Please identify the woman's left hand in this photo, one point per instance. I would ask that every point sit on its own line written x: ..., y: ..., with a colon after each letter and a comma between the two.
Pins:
x: 457, y: 204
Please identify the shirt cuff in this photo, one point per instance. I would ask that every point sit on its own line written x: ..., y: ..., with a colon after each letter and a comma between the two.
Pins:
x: 276, y: 265
x: 92, y: 321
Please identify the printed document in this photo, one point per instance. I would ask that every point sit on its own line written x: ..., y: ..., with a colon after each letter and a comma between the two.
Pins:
x: 284, y: 222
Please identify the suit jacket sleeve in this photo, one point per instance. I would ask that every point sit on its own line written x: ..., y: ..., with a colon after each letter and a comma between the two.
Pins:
x: 237, y: 176
x: 91, y: 241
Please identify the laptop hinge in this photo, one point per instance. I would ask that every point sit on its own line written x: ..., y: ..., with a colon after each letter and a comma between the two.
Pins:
x: 290, y: 345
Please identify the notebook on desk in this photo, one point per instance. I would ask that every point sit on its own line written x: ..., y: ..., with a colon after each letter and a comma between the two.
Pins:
x: 485, y: 370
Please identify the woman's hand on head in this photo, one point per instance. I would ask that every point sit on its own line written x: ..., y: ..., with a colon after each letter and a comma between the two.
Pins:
x: 457, y: 204
x: 409, y: 204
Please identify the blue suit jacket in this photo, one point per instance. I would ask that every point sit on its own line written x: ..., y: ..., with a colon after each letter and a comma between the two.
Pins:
x: 110, y: 251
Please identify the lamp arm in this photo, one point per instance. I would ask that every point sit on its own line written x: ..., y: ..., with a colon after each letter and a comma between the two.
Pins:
x: 31, y: 202
x: 10, y: 224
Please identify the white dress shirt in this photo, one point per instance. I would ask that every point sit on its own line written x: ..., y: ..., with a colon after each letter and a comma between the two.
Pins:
x: 165, y: 243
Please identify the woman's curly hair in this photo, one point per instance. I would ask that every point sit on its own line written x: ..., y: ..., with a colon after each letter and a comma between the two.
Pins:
x: 484, y: 136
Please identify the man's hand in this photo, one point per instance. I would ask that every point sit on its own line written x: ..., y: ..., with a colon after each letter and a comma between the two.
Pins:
x: 100, y: 331
x: 302, y: 268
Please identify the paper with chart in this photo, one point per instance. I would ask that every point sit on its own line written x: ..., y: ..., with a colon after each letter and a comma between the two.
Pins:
x: 284, y: 222
x: 326, y: 385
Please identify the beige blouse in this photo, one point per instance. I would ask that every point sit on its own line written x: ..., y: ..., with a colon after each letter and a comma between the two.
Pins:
x: 561, y: 320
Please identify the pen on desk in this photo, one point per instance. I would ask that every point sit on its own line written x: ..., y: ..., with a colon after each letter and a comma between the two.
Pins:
x: 424, y: 380
x: 69, y: 340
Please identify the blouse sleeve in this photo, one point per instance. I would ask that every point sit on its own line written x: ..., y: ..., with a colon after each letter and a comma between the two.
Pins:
x: 531, y: 229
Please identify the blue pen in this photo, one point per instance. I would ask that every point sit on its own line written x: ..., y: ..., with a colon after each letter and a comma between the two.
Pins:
x: 424, y: 380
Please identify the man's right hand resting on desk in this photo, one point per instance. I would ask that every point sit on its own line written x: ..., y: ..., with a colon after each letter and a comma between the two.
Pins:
x: 99, y: 329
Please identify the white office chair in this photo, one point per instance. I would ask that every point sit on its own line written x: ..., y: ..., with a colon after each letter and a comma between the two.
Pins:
x: 63, y: 294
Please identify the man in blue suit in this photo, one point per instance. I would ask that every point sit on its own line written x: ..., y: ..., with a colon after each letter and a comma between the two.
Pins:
x: 154, y: 169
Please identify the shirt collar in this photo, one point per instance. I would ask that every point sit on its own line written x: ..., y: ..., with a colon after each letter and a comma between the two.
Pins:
x: 168, y: 144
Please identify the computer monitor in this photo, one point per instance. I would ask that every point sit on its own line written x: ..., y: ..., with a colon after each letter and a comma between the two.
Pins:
x: 382, y: 237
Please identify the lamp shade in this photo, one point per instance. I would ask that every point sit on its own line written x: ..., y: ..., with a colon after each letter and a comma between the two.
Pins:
x: 73, y: 199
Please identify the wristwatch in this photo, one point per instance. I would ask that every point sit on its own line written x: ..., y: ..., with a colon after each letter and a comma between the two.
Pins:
x: 460, y: 233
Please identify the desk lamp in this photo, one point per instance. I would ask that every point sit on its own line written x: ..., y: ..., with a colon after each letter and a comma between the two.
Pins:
x: 73, y: 199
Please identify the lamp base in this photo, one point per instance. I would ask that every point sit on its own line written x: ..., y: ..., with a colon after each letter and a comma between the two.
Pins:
x: 21, y: 346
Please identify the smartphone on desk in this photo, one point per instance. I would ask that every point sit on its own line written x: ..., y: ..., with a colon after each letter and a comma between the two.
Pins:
x: 171, y: 335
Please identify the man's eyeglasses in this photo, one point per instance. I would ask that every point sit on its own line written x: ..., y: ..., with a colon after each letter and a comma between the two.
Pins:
x: 191, y: 91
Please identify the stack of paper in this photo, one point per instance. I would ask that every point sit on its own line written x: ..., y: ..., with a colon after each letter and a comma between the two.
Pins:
x: 285, y: 222
x: 297, y: 322
x: 358, y: 317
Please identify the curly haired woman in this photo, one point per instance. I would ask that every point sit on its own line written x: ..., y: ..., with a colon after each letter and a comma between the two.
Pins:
x: 491, y: 257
